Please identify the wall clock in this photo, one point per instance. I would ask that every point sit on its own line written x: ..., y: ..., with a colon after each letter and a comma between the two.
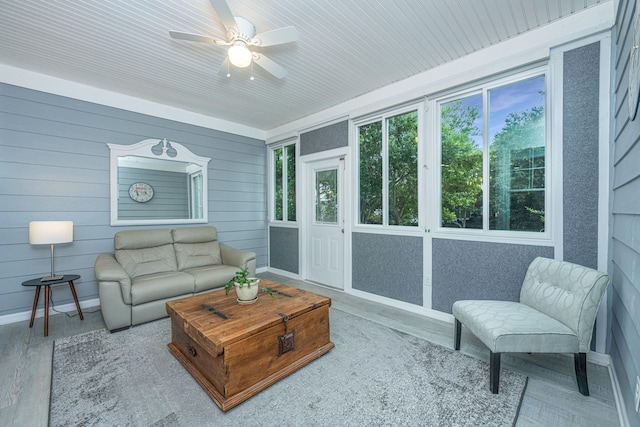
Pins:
x: 634, y: 69
x: 141, y: 192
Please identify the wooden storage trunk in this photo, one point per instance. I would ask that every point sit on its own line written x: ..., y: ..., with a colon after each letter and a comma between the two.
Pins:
x: 234, y: 351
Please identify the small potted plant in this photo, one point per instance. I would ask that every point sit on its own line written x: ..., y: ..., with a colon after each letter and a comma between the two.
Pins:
x: 246, y: 287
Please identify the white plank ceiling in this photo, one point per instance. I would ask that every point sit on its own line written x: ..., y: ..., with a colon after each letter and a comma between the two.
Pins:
x: 346, y: 47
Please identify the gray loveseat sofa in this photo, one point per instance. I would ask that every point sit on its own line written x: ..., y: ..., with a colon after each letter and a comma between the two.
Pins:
x: 150, y: 267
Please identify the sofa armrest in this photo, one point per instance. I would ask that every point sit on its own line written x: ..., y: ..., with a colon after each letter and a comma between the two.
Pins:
x: 238, y: 258
x: 107, y: 269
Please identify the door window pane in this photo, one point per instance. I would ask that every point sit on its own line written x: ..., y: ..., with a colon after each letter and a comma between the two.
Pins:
x: 402, y: 134
x: 327, y: 197
x: 370, y: 145
x: 461, y: 162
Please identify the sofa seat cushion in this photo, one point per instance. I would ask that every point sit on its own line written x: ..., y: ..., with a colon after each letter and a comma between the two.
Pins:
x: 506, y: 326
x: 151, y: 287
x: 211, y: 276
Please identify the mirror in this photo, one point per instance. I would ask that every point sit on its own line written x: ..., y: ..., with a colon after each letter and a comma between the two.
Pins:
x: 157, y: 182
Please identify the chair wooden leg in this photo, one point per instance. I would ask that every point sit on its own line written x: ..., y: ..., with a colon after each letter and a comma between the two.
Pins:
x: 494, y: 371
x: 456, y: 335
x: 580, y: 362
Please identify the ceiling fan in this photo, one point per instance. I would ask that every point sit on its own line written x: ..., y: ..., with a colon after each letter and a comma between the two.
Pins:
x: 241, y: 36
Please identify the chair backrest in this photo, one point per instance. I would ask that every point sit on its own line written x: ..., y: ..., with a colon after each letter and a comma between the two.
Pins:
x: 567, y: 292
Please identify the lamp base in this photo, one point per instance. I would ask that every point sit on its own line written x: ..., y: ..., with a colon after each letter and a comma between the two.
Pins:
x: 50, y: 278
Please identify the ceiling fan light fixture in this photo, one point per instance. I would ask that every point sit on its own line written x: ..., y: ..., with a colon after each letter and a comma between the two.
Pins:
x: 239, y: 55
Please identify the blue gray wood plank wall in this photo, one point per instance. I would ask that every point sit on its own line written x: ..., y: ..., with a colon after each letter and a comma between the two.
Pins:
x: 624, y: 294
x: 54, y: 165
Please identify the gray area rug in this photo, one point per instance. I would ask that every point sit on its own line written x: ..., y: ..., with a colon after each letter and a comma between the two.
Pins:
x: 374, y: 376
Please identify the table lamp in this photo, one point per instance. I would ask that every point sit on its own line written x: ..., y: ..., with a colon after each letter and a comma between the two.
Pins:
x: 50, y: 233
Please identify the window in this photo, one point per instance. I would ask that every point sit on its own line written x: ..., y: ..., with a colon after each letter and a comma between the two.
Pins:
x: 512, y: 118
x: 284, y: 167
x: 388, y: 170
x: 197, y: 206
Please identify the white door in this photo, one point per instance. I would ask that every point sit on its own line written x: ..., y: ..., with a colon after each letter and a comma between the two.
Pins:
x: 325, y: 236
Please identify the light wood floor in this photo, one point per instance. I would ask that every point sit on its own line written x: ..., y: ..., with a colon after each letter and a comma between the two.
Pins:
x: 551, y: 398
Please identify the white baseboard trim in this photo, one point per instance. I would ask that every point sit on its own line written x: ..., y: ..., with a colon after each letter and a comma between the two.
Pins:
x: 26, y: 315
x: 617, y: 396
x: 261, y: 269
x: 601, y: 359
x: 284, y: 273
x: 427, y: 312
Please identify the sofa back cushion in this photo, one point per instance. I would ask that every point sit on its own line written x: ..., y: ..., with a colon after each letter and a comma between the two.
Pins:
x: 143, y: 252
x: 196, y: 246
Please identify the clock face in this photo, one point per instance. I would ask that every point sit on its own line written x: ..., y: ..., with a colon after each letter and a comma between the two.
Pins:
x: 634, y: 70
x: 141, y: 192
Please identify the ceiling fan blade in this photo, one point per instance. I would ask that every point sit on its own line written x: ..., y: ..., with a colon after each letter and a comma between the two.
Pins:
x: 224, y: 68
x: 273, y: 37
x: 269, y: 65
x: 195, y: 38
x: 224, y: 13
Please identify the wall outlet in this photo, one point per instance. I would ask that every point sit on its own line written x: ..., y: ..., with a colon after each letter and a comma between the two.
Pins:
x: 637, y: 396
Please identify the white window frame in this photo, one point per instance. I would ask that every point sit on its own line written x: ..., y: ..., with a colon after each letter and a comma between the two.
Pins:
x: 195, y: 198
x: 272, y: 184
x: 385, y: 228
x: 485, y: 234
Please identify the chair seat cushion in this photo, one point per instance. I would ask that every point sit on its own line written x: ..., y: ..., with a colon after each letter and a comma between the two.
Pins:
x: 512, y: 327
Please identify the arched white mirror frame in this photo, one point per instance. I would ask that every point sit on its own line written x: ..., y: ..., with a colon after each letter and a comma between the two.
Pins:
x: 163, y: 150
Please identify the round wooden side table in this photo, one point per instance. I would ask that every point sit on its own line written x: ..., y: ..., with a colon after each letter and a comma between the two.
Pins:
x: 38, y: 283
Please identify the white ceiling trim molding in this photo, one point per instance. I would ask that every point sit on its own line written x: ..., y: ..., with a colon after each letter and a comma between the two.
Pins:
x: 276, y: 139
x: 292, y: 134
x: 56, y: 86
x: 519, y: 51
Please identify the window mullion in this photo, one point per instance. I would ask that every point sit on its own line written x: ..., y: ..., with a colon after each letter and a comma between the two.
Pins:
x: 486, y: 160
x: 385, y: 172
x: 285, y: 184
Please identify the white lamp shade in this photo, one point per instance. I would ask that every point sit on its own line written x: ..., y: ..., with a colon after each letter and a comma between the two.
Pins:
x: 50, y: 232
x: 239, y: 55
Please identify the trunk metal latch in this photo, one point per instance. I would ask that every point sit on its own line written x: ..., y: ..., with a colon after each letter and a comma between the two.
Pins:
x: 286, y: 341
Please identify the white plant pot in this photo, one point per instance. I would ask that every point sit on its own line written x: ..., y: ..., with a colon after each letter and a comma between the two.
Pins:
x: 248, y: 293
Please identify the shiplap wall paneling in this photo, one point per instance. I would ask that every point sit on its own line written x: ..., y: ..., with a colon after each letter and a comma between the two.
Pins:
x: 54, y: 165
x: 624, y: 338
x: 170, y: 194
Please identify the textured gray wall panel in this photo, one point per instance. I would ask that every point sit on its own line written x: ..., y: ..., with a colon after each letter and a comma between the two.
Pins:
x: 326, y: 138
x: 390, y: 266
x: 580, y: 152
x: 283, y: 249
x: 479, y: 270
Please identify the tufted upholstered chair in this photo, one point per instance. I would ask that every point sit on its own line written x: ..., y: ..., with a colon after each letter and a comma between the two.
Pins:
x: 557, y: 309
